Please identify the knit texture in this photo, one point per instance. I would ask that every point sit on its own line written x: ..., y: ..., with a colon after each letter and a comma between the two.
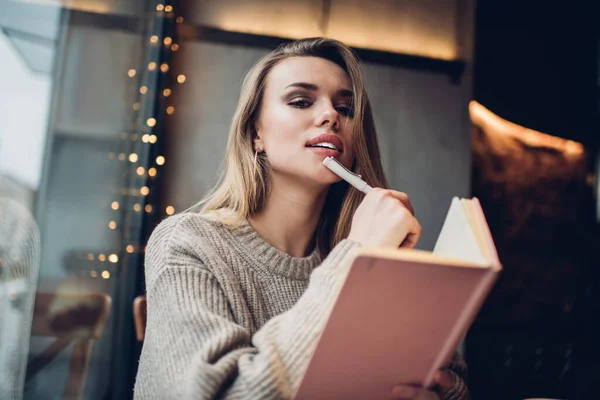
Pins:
x: 230, y: 316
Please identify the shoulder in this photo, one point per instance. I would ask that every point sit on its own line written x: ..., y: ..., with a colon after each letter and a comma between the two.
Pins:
x: 187, y: 239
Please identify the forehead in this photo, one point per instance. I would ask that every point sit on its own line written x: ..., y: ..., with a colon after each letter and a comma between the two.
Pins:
x: 315, y: 70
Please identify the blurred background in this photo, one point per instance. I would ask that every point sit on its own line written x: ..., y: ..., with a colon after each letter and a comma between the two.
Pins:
x: 114, y: 114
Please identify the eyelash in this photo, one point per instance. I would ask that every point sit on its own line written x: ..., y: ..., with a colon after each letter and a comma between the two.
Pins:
x: 343, y: 110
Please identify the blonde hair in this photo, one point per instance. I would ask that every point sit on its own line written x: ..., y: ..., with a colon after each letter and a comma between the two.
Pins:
x: 241, y: 192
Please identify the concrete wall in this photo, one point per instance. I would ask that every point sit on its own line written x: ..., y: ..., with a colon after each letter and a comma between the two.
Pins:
x: 421, y: 118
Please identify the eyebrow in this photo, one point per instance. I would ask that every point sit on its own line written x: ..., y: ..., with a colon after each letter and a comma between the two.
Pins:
x: 312, y: 87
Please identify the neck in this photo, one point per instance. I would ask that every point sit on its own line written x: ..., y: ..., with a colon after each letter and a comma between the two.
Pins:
x: 290, y: 215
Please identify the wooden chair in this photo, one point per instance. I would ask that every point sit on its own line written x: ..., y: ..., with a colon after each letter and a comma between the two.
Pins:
x: 70, y: 318
x: 140, y: 315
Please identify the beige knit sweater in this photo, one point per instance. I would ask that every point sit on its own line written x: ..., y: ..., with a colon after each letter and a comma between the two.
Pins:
x: 230, y: 316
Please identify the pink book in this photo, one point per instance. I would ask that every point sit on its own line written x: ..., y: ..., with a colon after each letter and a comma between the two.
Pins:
x: 401, y: 314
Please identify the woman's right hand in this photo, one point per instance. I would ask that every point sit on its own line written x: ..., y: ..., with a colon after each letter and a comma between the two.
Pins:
x: 385, y: 218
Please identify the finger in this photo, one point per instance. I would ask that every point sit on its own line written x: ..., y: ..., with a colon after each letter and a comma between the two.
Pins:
x: 405, y: 392
x: 413, y: 236
x: 403, y: 197
x: 444, y: 379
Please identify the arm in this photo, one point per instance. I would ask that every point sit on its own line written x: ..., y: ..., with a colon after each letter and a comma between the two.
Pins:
x: 194, y: 348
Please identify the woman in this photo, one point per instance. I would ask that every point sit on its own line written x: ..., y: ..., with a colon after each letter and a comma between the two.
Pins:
x: 239, y: 290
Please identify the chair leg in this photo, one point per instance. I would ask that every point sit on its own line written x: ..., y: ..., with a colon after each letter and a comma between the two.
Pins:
x: 78, y: 369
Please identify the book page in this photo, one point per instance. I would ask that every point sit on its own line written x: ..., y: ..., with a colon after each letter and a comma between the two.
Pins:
x: 457, y: 239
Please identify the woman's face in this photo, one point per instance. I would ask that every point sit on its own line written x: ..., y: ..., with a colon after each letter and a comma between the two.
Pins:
x: 306, y: 115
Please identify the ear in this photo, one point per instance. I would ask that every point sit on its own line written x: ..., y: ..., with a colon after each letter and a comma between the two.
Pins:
x: 258, y: 143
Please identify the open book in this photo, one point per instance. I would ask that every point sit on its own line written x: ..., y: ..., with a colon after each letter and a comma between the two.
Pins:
x: 401, y: 314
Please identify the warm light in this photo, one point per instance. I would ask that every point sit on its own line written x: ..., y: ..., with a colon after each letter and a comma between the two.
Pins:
x: 152, y: 66
x: 152, y: 171
x: 133, y: 157
x: 169, y: 8
x: 170, y: 210
x: 111, y: 155
x: 137, y: 207
x: 152, y: 139
x: 140, y: 171
x: 175, y: 47
x: 113, y: 258
x: 181, y: 78
x: 145, y: 138
x: 112, y: 225
x: 151, y: 122
x: 131, y: 73
x: 160, y: 7
x: 148, y: 208
x: 90, y: 257
x: 105, y: 274
x: 170, y: 110
x: 143, y: 90
x: 164, y: 67
x: 122, y: 156
x: 153, y: 39
x: 179, y: 20
x: 160, y: 160
x: 101, y: 257
x: 136, y: 106
x: 129, y: 248
x: 93, y: 274
x: 167, y: 92
x: 144, y: 190
x: 168, y: 41
x: 114, y: 205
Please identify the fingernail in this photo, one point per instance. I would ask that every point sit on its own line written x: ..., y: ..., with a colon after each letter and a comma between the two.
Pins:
x: 404, y: 391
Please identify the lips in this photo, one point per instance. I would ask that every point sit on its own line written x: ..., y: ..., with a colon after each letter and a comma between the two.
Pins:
x: 324, y: 142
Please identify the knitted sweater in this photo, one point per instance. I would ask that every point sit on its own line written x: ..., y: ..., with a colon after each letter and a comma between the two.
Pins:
x: 230, y: 316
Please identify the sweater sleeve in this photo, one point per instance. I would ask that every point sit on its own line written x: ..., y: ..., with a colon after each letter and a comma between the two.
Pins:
x: 458, y: 368
x: 194, y: 349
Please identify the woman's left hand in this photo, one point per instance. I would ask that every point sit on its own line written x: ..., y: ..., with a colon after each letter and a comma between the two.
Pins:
x: 444, y: 382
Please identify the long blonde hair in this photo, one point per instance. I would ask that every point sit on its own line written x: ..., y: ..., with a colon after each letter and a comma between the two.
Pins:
x: 241, y: 192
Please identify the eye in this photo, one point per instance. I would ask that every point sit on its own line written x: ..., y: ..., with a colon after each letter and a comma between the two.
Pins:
x: 345, y: 110
x: 300, y: 103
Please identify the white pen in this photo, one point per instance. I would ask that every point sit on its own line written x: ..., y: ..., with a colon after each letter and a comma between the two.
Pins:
x: 354, y: 179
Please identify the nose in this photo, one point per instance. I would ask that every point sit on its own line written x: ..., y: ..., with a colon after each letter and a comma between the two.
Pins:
x: 328, y: 117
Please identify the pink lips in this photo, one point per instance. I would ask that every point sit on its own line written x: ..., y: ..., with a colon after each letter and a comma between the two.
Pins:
x: 328, y: 138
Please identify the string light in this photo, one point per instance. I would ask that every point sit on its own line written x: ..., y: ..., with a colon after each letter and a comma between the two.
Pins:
x: 169, y: 8
x: 140, y: 171
x: 167, y: 41
x: 179, y: 20
x: 134, y: 137
x: 121, y: 156
x: 181, y: 78
x: 152, y: 139
x: 101, y: 257
x: 167, y: 92
x: 148, y: 208
x: 105, y: 274
x: 130, y: 248
x: 136, y: 106
x: 114, y: 205
x: 175, y: 47
x: 160, y: 160
x: 137, y: 207
x: 170, y: 210
x: 93, y: 274
x: 164, y: 67
x: 113, y: 258
x: 152, y: 171
x: 131, y: 73
x: 170, y: 110
x: 133, y: 157
x: 90, y: 257
x: 151, y: 122
x: 144, y: 190
x: 112, y: 225
x: 160, y: 7
x: 143, y: 90
x: 152, y: 66
x: 153, y: 39
x: 145, y: 138
x: 111, y: 155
